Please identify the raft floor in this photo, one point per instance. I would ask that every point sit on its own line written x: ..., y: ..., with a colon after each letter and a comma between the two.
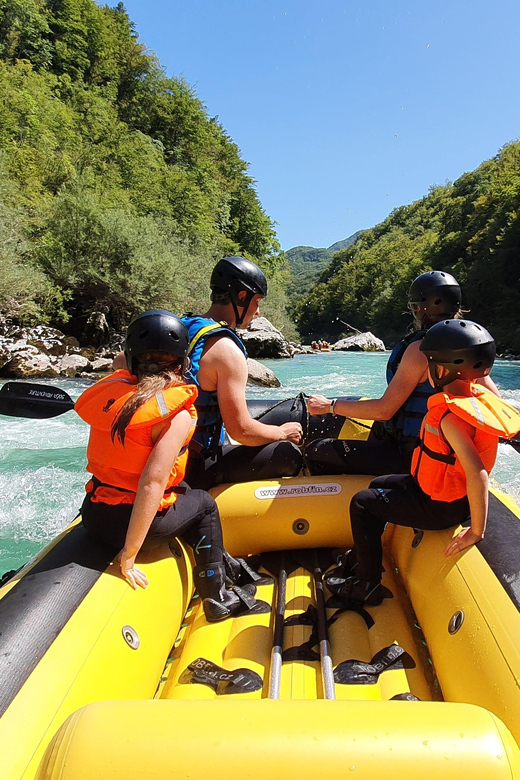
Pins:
x: 247, y: 642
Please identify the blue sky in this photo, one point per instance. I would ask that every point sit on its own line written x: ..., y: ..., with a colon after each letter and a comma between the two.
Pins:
x: 346, y: 110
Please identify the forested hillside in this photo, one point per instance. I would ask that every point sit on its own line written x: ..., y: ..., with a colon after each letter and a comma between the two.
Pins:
x: 308, y: 262
x: 117, y: 190
x: 470, y: 228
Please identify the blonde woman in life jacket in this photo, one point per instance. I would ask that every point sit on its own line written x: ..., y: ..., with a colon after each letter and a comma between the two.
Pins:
x: 141, y: 421
x: 457, y: 449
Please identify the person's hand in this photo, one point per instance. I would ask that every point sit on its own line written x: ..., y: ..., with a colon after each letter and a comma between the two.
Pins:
x: 466, y: 538
x: 292, y: 431
x: 129, y: 570
x: 318, y: 405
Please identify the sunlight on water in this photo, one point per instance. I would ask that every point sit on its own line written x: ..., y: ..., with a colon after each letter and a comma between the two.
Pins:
x: 42, y: 462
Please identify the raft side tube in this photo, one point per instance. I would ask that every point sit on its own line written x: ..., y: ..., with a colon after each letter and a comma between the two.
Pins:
x: 277, y: 412
x: 79, y: 633
x: 267, y: 738
x: 470, y: 624
x: 287, y: 513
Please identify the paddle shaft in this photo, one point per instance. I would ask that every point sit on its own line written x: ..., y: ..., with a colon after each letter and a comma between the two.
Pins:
x: 275, y: 673
x: 327, y: 670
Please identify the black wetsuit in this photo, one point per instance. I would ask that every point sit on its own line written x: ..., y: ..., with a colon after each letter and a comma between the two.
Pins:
x: 194, y: 517
x: 396, y: 498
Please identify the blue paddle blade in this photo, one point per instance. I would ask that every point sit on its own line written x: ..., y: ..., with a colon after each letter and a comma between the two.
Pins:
x: 28, y: 399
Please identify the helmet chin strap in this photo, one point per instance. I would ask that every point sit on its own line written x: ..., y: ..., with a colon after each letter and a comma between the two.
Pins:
x: 240, y: 318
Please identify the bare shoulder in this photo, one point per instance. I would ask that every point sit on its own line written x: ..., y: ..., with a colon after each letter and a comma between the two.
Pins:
x: 222, y: 348
x: 413, y: 354
x: 453, y: 424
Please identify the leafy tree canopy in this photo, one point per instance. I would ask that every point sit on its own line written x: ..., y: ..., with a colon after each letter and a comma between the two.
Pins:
x: 118, y: 186
x: 470, y: 228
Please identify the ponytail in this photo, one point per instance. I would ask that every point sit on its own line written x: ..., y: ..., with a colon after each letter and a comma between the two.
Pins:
x: 147, y: 386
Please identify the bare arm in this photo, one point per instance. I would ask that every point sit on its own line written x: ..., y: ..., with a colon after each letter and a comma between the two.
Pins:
x: 458, y: 435
x: 150, y: 491
x: 412, y: 371
x: 488, y: 383
x: 119, y: 361
x: 230, y: 370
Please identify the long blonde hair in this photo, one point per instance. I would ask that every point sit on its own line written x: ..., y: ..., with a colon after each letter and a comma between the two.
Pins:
x: 155, y: 372
x: 425, y: 322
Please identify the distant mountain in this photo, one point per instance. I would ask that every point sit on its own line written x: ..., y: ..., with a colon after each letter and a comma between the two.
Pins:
x: 308, y: 262
x: 345, y: 243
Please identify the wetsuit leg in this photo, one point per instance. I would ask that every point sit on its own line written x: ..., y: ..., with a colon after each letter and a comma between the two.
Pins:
x: 350, y: 456
x: 194, y: 517
x: 238, y: 463
x: 398, y: 499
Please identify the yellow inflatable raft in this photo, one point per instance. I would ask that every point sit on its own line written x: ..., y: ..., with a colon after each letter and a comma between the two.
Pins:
x: 100, y: 681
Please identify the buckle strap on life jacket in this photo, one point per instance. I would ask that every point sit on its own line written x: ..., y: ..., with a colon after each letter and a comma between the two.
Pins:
x: 450, y: 459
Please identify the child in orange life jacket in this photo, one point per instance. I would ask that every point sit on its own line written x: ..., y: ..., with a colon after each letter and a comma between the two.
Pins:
x: 141, y: 422
x: 450, y: 467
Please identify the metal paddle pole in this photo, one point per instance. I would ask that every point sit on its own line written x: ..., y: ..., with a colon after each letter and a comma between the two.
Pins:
x: 327, y: 670
x: 275, y: 673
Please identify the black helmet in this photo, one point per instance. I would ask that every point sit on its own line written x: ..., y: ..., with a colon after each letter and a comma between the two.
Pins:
x: 155, y: 330
x: 437, y: 293
x: 234, y: 274
x: 466, y: 349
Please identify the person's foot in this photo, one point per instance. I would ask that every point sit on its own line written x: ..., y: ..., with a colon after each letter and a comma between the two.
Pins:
x: 346, y: 566
x: 233, y: 602
x: 220, y: 601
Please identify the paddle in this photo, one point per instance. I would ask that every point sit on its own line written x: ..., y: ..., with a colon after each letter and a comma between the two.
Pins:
x: 280, y: 565
x: 27, y: 399
x: 315, y: 561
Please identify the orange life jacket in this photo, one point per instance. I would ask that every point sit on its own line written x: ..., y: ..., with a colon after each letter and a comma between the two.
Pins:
x: 116, y: 468
x: 434, y: 463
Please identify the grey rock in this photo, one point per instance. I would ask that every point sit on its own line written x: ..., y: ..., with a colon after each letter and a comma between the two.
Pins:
x: 263, y: 340
x: 72, y: 365
x: 361, y: 342
x: 257, y: 374
x: 102, y: 365
x: 29, y: 364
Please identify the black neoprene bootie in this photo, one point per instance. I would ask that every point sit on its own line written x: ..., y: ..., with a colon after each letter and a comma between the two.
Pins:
x: 346, y: 567
x: 240, y: 573
x: 220, y: 602
x: 353, y: 591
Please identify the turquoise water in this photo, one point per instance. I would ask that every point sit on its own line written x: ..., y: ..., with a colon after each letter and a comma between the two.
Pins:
x: 42, y: 462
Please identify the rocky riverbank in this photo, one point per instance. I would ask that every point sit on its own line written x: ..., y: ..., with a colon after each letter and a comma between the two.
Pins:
x: 44, y: 352
x: 47, y: 353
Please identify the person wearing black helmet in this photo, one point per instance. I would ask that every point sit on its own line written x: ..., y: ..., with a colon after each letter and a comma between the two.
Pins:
x: 219, y: 368
x: 448, y: 484
x: 141, y: 421
x: 433, y: 296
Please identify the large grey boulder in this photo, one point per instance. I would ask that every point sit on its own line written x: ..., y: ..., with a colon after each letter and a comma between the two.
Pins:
x: 257, y: 374
x: 360, y: 342
x: 29, y: 363
x: 263, y: 340
x: 102, y: 365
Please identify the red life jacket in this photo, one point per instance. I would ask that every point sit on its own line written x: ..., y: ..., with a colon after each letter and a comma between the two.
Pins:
x: 434, y: 463
x: 117, y: 468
